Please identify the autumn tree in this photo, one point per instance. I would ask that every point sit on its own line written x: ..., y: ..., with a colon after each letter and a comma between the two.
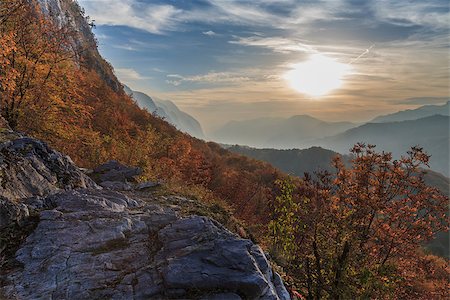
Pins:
x: 36, y: 62
x: 345, y: 234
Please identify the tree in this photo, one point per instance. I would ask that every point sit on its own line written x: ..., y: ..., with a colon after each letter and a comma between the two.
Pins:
x: 35, y: 60
x: 345, y: 234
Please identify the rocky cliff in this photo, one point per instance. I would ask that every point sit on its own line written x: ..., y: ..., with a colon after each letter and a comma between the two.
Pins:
x: 69, y: 13
x: 89, y: 242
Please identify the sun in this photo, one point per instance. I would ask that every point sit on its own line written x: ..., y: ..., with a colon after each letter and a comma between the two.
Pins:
x: 317, y: 76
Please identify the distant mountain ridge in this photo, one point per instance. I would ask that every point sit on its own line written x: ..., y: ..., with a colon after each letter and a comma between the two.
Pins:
x: 414, y: 114
x: 296, y: 162
x: 293, y: 132
x: 169, y: 111
x: 292, y: 161
x: 431, y: 133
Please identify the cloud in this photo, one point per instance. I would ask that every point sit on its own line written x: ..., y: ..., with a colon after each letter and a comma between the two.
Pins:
x: 209, y: 33
x: 127, y: 74
x: 211, y: 77
x: 291, y: 15
x: 161, y: 18
x: 431, y: 13
x: 127, y: 47
x: 154, y: 18
x: 277, y: 44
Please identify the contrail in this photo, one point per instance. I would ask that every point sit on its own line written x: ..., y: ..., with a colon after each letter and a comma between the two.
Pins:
x: 362, y: 54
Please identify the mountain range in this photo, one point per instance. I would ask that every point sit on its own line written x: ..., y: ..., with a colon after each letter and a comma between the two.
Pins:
x: 169, y: 111
x: 413, y: 114
x: 426, y: 126
x: 281, y: 133
x: 431, y: 133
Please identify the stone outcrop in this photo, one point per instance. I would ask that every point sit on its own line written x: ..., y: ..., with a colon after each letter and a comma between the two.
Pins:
x: 115, y: 176
x: 114, y: 171
x: 29, y: 168
x: 93, y: 243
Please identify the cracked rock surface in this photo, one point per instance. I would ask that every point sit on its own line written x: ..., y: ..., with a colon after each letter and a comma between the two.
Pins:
x: 99, y: 244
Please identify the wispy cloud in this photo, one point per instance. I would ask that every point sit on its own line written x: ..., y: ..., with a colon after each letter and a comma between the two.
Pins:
x: 154, y: 18
x: 296, y: 16
x: 277, y: 44
x: 161, y: 18
x: 127, y: 47
x: 432, y: 13
x: 127, y: 74
x: 211, y: 77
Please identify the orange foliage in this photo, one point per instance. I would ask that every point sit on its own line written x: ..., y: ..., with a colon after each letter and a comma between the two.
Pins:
x: 359, y: 232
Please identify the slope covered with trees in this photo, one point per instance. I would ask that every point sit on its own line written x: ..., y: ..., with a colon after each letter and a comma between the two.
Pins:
x: 50, y: 89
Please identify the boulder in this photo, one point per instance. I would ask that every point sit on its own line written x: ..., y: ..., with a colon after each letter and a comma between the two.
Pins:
x: 29, y: 168
x: 11, y: 212
x: 146, y: 185
x: 115, y: 171
x: 199, y: 254
x: 116, y: 185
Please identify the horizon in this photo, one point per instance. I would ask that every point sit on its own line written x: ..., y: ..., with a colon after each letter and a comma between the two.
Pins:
x: 228, y: 60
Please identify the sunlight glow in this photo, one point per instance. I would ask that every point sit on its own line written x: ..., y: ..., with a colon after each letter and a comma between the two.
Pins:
x: 317, y: 76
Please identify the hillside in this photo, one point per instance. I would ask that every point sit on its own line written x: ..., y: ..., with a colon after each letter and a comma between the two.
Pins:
x: 431, y: 133
x: 165, y: 215
x: 168, y: 111
x: 413, y: 114
x: 280, y: 133
x: 293, y: 161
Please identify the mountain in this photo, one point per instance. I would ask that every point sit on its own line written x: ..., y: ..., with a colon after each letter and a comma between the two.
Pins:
x: 413, y: 114
x: 143, y: 100
x: 297, y: 162
x: 431, y: 133
x: 173, y: 231
x: 281, y: 133
x: 183, y: 121
x: 292, y: 161
x: 169, y: 111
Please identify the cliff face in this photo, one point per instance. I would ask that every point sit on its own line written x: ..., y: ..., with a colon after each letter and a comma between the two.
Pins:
x: 94, y: 243
x: 69, y: 13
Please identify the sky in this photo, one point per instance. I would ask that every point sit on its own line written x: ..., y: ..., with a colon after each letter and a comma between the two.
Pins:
x: 223, y: 60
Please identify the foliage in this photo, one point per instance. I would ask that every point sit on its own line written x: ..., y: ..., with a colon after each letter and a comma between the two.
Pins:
x: 356, y: 233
